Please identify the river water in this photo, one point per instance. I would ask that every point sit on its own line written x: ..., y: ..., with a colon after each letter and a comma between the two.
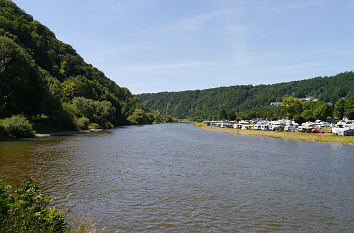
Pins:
x: 180, y: 178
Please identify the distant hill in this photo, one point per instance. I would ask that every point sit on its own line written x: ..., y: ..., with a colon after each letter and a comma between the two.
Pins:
x: 41, y: 76
x: 208, y: 104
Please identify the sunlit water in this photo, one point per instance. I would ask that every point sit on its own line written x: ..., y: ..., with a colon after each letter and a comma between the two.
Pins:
x: 180, y: 178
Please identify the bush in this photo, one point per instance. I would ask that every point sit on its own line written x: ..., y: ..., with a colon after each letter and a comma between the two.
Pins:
x: 26, y: 210
x: 18, y: 126
x: 94, y: 126
x: 108, y: 125
x: 139, y: 117
x: 102, y: 112
x: 82, y: 123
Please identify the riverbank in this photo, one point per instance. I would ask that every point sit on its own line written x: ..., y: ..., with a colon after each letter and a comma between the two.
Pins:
x: 68, y: 133
x: 285, y: 135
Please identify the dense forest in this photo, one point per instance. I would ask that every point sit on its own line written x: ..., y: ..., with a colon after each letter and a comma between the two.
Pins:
x: 247, y: 101
x: 46, y: 82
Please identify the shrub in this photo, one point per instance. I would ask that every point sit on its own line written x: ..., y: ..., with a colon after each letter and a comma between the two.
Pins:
x: 26, y: 210
x: 94, y: 126
x: 139, y: 117
x: 82, y: 123
x: 18, y: 126
x: 108, y: 125
x: 102, y: 112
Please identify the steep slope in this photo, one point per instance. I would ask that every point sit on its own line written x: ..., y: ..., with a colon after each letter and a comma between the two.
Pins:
x: 208, y: 104
x: 41, y: 76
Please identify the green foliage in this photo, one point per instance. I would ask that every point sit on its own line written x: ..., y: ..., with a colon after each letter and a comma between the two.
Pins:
x: 157, y: 117
x: 101, y: 112
x: 18, y: 126
x: 349, y: 107
x: 339, y: 109
x: 21, y: 86
x: 82, y: 123
x: 3, y: 133
x: 291, y: 107
x: 322, y: 111
x: 231, y: 115
x: 209, y: 103
x: 223, y: 115
x: 40, y: 74
x: 26, y: 210
x: 94, y: 126
x: 67, y: 117
x: 140, y: 117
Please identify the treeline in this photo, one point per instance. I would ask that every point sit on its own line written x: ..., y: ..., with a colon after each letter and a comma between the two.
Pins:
x: 294, y: 109
x: 208, y: 104
x: 47, y: 82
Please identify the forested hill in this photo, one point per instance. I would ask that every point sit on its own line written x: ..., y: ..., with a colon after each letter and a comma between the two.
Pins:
x: 207, y: 104
x: 49, y: 83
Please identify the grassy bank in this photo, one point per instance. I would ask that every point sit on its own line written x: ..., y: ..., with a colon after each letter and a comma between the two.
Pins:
x: 286, y: 135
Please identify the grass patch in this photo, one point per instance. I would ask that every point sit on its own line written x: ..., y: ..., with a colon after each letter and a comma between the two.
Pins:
x: 185, y: 121
x: 286, y: 135
x: 198, y: 124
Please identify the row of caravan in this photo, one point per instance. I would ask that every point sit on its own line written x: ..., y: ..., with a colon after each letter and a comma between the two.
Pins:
x: 341, y: 128
x: 280, y: 125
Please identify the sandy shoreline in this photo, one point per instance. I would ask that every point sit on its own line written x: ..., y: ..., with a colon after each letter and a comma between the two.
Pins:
x: 286, y: 135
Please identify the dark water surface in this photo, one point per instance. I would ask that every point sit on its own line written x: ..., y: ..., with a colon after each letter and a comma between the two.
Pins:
x: 179, y: 178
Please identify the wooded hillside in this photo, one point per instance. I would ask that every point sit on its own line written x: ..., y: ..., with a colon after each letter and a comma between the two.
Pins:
x: 207, y: 104
x: 49, y: 83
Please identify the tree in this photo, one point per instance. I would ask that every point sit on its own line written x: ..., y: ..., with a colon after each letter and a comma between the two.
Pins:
x: 339, y: 109
x: 31, y: 53
x: 139, y: 117
x: 322, y: 111
x: 307, y: 115
x: 291, y: 107
x: 101, y: 112
x: 70, y: 90
x: 21, y: 84
x: 105, y: 114
x: 231, y: 115
x: 223, y: 115
x: 207, y: 104
x: 349, y: 107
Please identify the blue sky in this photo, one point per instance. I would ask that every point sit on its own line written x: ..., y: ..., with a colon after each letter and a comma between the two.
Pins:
x: 173, y: 45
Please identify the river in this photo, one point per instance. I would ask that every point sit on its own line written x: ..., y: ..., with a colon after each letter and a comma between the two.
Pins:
x: 180, y: 178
